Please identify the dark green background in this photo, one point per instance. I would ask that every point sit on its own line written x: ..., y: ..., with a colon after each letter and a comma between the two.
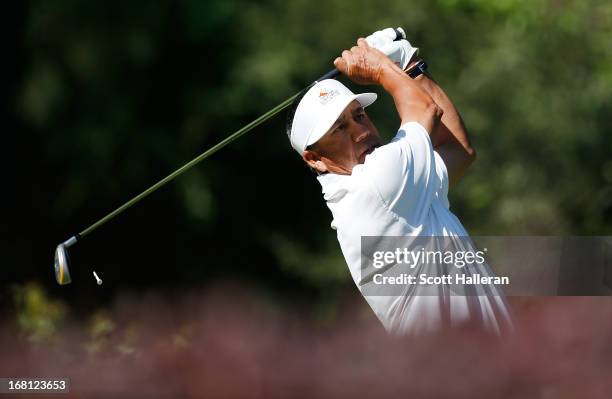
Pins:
x: 105, y: 98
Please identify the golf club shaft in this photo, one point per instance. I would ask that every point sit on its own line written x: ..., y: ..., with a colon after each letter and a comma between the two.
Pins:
x: 274, y: 111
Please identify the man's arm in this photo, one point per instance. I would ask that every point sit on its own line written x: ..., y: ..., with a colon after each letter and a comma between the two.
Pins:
x: 412, y: 101
x: 451, y: 139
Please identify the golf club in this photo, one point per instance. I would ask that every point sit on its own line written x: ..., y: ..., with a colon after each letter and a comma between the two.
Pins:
x: 62, y: 273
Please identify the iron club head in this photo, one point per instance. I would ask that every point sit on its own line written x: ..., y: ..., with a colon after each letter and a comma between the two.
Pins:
x: 62, y: 274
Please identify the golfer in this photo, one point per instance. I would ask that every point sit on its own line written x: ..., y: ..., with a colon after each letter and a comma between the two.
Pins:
x: 394, y: 189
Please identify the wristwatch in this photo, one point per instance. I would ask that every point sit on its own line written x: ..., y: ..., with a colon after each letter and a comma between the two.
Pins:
x: 417, y: 69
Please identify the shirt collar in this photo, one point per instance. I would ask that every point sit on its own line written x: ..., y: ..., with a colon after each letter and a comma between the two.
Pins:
x: 334, y: 186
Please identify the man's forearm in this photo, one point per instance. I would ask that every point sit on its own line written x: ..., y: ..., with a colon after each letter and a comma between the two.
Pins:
x: 412, y: 101
x: 451, y: 139
x: 453, y: 124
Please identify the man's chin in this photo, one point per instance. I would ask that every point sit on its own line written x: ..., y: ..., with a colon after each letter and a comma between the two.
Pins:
x: 364, y: 154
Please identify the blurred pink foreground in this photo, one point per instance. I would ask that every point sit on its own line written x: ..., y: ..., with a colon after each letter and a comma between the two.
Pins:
x: 205, y: 346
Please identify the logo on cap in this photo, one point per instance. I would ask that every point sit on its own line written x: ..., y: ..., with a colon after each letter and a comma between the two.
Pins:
x: 326, y: 96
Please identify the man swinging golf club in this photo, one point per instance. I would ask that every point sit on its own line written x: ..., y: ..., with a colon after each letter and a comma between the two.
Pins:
x: 373, y: 190
x: 395, y: 189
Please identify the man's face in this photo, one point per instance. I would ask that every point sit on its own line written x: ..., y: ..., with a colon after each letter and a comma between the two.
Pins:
x: 346, y: 143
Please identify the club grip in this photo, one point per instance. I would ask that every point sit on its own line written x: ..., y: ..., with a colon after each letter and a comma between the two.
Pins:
x: 399, y: 35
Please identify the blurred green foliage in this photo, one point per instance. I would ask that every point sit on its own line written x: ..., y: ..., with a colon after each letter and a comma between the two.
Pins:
x: 111, y: 96
x: 39, y: 317
x: 532, y: 78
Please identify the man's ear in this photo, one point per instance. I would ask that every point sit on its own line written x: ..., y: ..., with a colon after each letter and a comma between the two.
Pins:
x: 314, y: 161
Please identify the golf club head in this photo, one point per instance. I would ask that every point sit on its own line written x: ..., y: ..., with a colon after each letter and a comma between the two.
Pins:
x: 62, y: 275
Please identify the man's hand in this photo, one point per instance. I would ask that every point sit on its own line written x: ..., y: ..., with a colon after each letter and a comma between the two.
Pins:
x: 399, y: 51
x: 366, y: 65
x: 363, y: 64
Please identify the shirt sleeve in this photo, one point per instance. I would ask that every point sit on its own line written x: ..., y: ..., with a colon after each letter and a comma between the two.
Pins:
x: 442, y: 174
x: 405, y: 173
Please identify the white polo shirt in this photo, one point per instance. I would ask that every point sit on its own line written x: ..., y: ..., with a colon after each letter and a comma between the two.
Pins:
x: 402, y: 190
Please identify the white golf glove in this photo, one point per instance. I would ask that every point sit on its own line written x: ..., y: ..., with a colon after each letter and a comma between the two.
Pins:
x: 400, y: 51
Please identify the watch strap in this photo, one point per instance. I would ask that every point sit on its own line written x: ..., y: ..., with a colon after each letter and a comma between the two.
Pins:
x: 417, y: 69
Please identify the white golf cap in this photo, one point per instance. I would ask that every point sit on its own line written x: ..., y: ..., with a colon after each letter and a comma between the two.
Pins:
x: 319, y: 109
